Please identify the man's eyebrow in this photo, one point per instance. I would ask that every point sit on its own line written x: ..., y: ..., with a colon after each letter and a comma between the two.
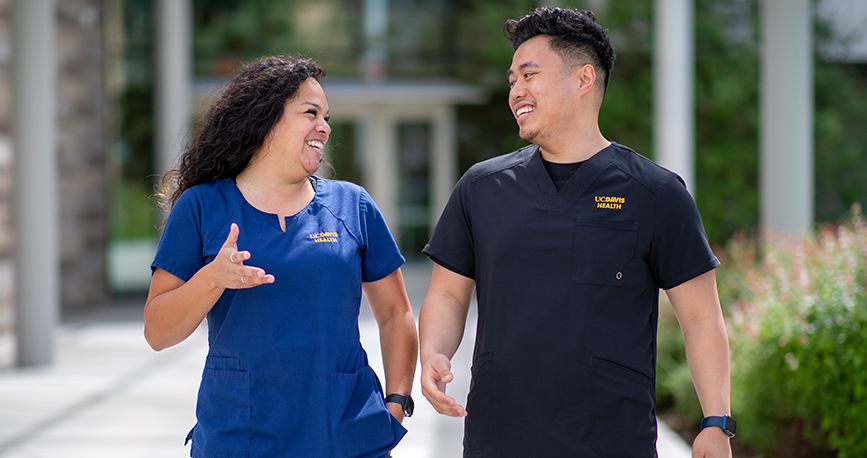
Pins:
x: 521, y: 67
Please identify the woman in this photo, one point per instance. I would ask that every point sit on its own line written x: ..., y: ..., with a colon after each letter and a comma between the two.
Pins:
x: 277, y: 259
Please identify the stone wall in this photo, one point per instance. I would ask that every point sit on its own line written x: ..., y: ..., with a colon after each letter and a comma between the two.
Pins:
x: 81, y: 145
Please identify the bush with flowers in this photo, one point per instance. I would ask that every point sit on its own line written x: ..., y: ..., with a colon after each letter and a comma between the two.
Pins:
x: 796, y: 310
x: 799, y: 339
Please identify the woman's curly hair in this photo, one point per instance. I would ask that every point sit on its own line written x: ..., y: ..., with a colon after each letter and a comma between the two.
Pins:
x: 237, y: 123
x: 576, y: 37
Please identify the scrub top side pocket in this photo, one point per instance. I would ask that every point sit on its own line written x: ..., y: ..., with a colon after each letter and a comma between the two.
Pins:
x: 359, y: 420
x: 223, y: 410
x: 602, y: 251
x: 478, y: 424
x: 623, y: 413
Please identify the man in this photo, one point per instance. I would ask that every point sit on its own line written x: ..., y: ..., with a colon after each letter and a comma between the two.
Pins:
x: 567, y: 242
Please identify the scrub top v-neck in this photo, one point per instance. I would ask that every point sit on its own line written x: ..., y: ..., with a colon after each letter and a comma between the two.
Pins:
x: 285, y: 373
x: 567, y: 287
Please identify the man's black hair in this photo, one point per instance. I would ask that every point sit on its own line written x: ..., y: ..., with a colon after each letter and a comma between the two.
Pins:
x: 575, y: 37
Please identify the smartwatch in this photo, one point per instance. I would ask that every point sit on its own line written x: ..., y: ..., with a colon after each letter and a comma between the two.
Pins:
x: 404, y: 401
x: 725, y: 422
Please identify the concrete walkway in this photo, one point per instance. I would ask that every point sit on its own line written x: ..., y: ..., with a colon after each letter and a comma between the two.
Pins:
x: 109, y: 395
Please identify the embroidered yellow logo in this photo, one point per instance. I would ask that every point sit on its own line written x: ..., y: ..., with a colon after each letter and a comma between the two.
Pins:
x: 611, y: 203
x: 322, y: 237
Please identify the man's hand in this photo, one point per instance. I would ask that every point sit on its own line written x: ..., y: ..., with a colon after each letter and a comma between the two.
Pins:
x: 712, y: 442
x: 435, y: 374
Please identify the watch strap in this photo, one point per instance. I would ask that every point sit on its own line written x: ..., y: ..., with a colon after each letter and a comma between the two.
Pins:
x: 405, y: 402
x: 725, y: 422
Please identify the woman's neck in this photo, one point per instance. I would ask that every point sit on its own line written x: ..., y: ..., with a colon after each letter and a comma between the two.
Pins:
x: 271, y: 193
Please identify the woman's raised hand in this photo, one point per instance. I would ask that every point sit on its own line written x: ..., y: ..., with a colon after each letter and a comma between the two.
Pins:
x: 230, y: 269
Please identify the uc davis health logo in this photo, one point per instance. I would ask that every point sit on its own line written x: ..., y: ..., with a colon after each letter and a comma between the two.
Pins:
x: 324, y: 237
x: 610, y: 202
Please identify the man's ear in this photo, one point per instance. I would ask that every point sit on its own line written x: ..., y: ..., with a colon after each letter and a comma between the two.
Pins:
x: 586, y: 75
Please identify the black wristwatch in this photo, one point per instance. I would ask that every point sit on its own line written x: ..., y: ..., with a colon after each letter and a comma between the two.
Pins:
x: 404, y: 401
x: 725, y: 422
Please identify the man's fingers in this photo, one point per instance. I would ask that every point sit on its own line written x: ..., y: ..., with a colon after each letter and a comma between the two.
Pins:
x: 433, y: 388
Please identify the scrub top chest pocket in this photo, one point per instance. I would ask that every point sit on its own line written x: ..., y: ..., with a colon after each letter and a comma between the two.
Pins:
x: 602, y: 251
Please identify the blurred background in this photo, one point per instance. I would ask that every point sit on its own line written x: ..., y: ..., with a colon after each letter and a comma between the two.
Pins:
x: 418, y: 93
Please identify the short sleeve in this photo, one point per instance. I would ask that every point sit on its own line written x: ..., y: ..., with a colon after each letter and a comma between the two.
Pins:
x: 380, y: 255
x: 680, y: 250
x: 180, y: 250
x: 451, y: 244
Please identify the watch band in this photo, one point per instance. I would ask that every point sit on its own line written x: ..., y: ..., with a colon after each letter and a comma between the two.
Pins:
x: 725, y: 422
x: 405, y: 402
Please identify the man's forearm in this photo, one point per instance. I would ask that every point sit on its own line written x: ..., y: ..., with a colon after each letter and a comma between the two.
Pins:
x: 707, y: 353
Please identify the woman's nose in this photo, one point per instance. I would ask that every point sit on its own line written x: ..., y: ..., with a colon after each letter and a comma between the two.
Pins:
x: 325, y: 128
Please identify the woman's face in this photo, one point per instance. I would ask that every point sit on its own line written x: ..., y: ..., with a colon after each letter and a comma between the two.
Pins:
x: 298, y: 139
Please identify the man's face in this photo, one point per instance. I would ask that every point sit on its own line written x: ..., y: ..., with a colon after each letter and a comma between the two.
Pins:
x: 541, y: 95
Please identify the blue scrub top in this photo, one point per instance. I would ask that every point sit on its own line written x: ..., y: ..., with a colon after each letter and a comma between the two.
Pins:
x: 285, y: 373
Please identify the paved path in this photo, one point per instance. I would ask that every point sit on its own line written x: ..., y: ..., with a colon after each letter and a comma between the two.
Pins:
x: 109, y: 395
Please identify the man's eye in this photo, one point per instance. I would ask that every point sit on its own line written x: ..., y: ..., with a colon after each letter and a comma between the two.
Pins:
x: 511, y: 83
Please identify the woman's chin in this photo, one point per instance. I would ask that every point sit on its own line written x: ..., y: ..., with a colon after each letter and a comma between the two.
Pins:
x: 312, y: 167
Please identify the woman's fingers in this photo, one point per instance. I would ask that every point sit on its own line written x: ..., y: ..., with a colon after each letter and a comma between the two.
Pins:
x: 253, y: 276
x: 232, y: 238
x: 238, y: 257
x: 235, y: 274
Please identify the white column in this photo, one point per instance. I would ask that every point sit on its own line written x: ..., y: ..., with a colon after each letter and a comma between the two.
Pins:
x: 173, y: 62
x: 786, y: 136
x: 375, y: 23
x: 37, y: 266
x: 379, y: 147
x: 444, y: 161
x: 673, y: 88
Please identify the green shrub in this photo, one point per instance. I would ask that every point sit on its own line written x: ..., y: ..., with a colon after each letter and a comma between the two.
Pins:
x: 798, y: 334
x: 797, y: 316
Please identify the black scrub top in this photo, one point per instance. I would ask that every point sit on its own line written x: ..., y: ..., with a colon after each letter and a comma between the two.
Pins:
x: 567, y: 287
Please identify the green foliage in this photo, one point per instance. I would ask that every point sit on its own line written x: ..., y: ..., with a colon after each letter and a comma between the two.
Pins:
x: 727, y: 124
x: 230, y: 33
x: 798, y: 338
x: 797, y: 315
x: 464, y: 39
x: 841, y: 139
x: 133, y: 212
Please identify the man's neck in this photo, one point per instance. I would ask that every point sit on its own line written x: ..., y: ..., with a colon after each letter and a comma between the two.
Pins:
x: 576, y: 149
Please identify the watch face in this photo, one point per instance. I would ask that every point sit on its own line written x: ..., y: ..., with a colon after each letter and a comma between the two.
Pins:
x: 409, y: 407
x: 730, y: 426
